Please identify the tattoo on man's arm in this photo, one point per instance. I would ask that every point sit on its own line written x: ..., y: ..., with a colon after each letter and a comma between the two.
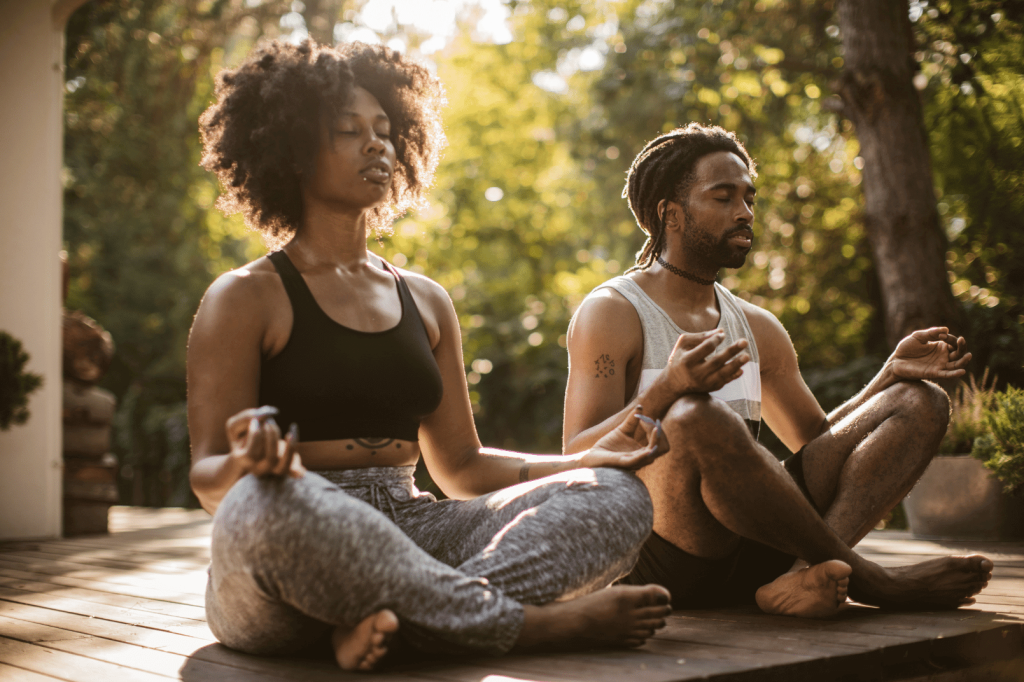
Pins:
x: 604, y: 367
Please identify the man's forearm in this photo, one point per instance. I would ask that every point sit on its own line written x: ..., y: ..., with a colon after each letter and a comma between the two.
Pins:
x: 883, y: 380
x: 655, y: 400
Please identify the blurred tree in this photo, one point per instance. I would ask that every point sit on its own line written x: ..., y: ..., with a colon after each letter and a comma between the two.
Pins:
x: 900, y: 211
x: 142, y: 241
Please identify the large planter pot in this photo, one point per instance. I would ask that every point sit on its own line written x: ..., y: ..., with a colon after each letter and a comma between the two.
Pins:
x: 957, y: 498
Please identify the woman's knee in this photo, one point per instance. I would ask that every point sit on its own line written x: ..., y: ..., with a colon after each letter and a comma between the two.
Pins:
x: 624, y: 495
x: 258, y: 511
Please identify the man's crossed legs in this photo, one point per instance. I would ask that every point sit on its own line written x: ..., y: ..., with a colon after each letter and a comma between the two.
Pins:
x: 729, y: 520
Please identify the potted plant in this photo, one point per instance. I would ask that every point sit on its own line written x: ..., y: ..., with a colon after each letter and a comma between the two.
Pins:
x: 961, y: 495
x: 15, y: 383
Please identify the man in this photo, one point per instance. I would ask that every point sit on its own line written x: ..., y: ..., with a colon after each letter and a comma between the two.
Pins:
x: 731, y: 525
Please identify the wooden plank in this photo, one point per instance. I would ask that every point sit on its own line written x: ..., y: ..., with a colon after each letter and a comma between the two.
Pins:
x: 858, y: 626
x: 737, y: 635
x: 12, y: 674
x: 111, y: 599
x: 787, y: 628
x: 615, y: 664
x: 183, y: 626
x: 72, y: 563
x: 146, y: 659
x: 123, y: 562
x: 123, y: 518
x: 194, y: 585
x: 138, y: 637
x: 126, y: 655
x: 108, y: 588
x: 184, y: 559
x: 99, y: 627
x: 68, y: 667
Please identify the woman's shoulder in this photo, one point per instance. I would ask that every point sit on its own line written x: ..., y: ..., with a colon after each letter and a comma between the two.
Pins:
x: 244, y: 289
x: 425, y: 289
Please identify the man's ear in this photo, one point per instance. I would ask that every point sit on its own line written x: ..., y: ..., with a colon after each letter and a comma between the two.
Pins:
x: 671, y: 214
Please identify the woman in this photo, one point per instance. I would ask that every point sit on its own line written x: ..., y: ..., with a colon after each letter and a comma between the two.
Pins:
x: 317, y: 146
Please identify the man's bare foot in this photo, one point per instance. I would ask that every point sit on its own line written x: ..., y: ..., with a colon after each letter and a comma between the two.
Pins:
x: 811, y: 592
x: 362, y: 647
x: 622, y: 615
x: 945, y: 583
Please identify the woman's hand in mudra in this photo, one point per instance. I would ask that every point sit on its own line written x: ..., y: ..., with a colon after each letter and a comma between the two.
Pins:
x: 618, y: 448
x: 256, y: 444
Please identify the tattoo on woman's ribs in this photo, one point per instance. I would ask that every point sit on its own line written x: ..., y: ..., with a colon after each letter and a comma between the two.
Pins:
x: 604, y: 367
x: 374, y: 444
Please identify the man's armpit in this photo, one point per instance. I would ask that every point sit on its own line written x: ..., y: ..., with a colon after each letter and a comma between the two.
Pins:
x: 604, y: 366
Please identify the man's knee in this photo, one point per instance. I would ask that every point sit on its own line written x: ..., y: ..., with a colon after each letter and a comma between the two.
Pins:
x: 927, y: 402
x: 701, y: 418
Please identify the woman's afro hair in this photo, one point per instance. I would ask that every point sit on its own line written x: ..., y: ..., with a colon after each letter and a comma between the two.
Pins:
x: 665, y: 169
x: 263, y: 132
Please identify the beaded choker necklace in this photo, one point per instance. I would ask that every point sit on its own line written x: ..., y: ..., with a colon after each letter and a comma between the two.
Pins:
x: 683, y: 273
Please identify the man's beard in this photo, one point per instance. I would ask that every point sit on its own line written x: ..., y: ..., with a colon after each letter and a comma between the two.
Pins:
x: 708, y: 254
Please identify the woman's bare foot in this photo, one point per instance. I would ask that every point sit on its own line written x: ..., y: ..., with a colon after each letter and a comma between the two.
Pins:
x: 810, y: 592
x: 362, y: 647
x: 945, y: 583
x: 621, y: 615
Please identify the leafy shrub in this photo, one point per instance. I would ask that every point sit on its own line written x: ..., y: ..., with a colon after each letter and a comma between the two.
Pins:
x: 15, y: 383
x: 1002, y: 447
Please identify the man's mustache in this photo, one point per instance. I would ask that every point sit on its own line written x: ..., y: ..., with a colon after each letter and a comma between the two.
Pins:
x: 741, y: 229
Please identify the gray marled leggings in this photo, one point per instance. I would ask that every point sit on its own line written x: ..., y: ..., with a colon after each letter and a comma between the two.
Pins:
x: 292, y: 558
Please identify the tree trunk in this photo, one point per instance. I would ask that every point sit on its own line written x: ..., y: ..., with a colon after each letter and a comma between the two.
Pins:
x: 900, y: 213
x: 320, y: 17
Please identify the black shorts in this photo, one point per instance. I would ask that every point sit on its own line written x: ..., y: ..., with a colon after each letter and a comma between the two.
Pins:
x: 697, y: 583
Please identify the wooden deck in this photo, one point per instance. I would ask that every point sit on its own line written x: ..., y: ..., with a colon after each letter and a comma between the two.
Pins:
x: 129, y: 606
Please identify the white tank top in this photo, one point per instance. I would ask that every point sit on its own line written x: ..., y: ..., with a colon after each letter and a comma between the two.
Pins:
x: 660, y: 335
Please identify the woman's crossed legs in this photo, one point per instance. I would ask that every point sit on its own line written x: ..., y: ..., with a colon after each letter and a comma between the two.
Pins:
x: 294, y: 559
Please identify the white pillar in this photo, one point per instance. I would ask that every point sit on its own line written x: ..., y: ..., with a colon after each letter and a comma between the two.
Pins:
x: 31, y: 140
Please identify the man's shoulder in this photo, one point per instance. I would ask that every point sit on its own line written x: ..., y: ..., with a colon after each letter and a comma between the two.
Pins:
x: 773, y: 343
x: 607, y: 301
x: 758, y: 317
x: 605, y: 312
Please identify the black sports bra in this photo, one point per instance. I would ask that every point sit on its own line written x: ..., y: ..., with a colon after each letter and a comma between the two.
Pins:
x: 337, y: 383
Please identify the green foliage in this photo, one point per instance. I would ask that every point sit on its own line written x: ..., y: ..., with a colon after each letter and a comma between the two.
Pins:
x: 970, y: 54
x: 15, y: 383
x: 970, y: 407
x: 1002, y: 447
x: 144, y: 240
x: 143, y: 243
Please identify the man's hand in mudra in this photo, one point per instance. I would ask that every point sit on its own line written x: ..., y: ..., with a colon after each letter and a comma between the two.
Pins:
x: 930, y: 354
